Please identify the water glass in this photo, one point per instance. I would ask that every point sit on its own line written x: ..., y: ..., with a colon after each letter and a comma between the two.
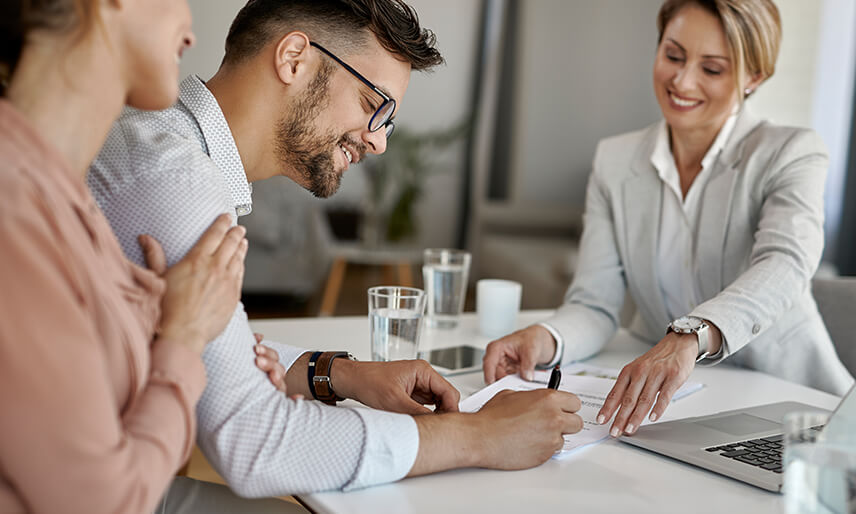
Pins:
x: 497, y: 305
x: 445, y: 273
x: 820, y: 476
x: 395, y: 316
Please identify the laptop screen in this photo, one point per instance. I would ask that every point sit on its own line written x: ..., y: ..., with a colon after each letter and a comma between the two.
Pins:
x: 841, y: 428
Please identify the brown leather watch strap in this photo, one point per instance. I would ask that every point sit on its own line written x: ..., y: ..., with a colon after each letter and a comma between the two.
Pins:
x: 319, y: 371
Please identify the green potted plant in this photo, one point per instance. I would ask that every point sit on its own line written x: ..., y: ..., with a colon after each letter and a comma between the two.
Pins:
x: 395, y: 182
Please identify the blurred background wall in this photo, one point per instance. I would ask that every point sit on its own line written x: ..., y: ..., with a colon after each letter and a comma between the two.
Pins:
x: 560, y: 75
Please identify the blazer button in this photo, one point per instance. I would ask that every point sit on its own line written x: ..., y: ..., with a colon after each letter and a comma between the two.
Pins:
x: 756, y: 328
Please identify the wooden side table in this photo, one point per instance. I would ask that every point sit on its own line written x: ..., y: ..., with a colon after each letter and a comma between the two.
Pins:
x: 396, y: 260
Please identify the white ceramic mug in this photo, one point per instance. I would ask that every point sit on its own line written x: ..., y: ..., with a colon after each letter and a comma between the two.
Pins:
x: 497, y: 304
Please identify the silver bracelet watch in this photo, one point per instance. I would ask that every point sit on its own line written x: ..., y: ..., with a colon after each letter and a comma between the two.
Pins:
x: 697, y: 326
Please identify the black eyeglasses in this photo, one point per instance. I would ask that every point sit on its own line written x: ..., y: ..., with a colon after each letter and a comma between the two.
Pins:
x: 382, y: 118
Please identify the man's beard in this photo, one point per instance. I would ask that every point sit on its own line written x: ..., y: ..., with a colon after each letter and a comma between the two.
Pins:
x: 301, y: 147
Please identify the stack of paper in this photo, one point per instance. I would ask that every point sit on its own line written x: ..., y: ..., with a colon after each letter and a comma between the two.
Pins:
x: 590, y: 383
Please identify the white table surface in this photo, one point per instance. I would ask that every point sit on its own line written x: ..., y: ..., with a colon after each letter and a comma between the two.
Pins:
x: 611, y: 477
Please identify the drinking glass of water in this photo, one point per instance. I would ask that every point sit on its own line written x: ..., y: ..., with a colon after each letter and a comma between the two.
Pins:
x: 395, y: 315
x: 445, y: 273
x: 820, y: 476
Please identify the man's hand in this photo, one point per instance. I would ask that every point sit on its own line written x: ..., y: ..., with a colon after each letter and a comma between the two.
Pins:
x: 523, y: 429
x: 397, y: 386
x: 518, y: 352
x: 514, y: 430
x: 656, y: 375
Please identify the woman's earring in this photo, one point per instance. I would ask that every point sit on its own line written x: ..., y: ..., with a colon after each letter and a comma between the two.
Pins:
x: 747, y: 91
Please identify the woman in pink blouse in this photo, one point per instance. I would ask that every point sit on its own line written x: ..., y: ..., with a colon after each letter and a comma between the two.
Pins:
x: 100, y: 364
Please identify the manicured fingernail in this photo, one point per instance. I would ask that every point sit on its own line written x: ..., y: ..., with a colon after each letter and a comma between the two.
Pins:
x: 600, y: 419
x: 258, y: 348
x: 630, y: 428
x: 653, y: 416
x: 614, y: 432
x: 527, y: 375
x: 261, y: 361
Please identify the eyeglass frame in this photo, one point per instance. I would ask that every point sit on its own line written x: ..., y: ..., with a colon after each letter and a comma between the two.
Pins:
x: 389, y: 124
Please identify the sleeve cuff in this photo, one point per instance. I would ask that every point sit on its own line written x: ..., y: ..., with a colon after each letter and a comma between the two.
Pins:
x: 719, y: 356
x: 392, y: 443
x: 176, y: 366
x: 288, y: 354
x: 560, y: 347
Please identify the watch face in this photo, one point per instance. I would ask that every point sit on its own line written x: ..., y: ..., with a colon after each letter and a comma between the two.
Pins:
x: 686, y: 323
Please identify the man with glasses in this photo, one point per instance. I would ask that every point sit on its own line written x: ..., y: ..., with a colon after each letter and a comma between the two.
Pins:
x: 382, y: 117
x: 288, y: 100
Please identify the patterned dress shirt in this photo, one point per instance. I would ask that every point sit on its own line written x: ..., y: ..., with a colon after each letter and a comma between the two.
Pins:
x: 170, y: 174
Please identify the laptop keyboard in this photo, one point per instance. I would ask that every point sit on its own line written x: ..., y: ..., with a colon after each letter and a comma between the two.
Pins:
x: 765, y: 453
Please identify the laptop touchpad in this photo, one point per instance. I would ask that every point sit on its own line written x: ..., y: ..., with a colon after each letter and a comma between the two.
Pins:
x: 740, y: 424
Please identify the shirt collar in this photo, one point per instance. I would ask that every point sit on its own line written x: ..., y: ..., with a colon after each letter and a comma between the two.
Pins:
x: 719, y: 142
x: 664, y: 161
x: 219, y: 142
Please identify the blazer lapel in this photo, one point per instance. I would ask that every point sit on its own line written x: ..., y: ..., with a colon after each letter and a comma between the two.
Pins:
x: 715, y: 214
x: 642, y: 197
x: 713, y: 222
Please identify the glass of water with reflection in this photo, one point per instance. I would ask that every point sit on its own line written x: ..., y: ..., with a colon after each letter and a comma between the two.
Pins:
x: 820, y: 469
x: 395, y: 317
x: 445, y: 273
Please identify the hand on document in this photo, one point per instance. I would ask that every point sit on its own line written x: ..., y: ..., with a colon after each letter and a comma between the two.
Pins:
x: 518, y: 352
x: 590, y: 384
x: 547, y: 415
x: 654, y: 376
x: 512, y: 430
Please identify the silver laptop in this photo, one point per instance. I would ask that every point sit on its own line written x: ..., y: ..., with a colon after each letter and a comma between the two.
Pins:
x: 744, y: 444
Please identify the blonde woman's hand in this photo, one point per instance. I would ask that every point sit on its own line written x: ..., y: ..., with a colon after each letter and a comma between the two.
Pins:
x: 518, y: 352
x: 204, y: 287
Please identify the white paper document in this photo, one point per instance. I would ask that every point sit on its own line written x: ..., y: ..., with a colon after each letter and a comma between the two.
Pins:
x: 590, y: 383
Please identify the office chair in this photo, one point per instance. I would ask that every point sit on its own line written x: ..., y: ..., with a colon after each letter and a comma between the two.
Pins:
x: 836, y: 298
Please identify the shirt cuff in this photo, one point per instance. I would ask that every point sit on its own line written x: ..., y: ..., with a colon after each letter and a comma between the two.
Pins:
x: 392, y: 442
x: 288, y: 354
x: 560, y: 347
x: 717, y: 357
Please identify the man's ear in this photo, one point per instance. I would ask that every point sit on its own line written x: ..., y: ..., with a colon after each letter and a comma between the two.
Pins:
x: 291, y: 57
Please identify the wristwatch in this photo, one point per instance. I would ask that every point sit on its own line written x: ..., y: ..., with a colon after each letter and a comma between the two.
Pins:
x: 318, y: 373
x: 697, y: 326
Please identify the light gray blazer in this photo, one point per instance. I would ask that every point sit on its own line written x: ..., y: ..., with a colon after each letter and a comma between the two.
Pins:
x: 759, y: 242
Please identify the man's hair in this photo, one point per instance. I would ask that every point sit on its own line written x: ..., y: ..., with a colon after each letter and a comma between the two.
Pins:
x: 342, y: 26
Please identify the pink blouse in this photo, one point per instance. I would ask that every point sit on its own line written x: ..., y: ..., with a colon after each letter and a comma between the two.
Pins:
x: 97, y: 413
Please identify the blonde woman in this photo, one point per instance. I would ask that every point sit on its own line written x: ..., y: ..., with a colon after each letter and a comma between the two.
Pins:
x: 100, y: 363
x: 712, y: 219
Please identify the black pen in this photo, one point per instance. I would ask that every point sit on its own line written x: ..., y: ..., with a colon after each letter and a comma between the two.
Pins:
x: 555, y: 378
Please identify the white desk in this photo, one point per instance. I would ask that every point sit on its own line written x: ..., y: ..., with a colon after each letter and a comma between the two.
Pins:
x: 611, y: 477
